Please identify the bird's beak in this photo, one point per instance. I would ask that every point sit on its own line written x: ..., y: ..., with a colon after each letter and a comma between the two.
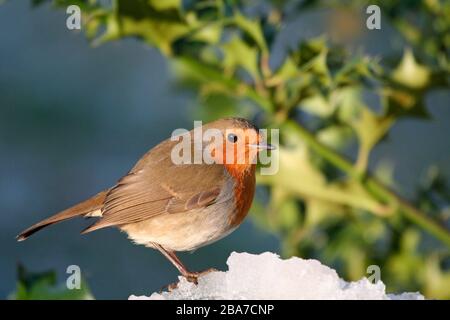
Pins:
x: 262, y: 146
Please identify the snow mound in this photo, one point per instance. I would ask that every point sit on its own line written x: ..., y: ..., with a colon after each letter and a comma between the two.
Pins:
x: 266, y: 276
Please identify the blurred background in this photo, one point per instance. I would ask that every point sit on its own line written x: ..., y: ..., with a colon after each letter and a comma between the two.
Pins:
x: 74, y: 118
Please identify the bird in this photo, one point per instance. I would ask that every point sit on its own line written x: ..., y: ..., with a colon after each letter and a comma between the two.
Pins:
x: 174, y: 207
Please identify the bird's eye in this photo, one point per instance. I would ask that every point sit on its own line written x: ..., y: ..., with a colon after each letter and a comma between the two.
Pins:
x: 232, y: 137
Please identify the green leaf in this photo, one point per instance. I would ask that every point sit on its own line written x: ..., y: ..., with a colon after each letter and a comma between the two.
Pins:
x: 285, y: 72
x: 318, y: 105
x: 214, y: 76
x: 404, y: 103
x: 158, y: 28
x: 252, y: 28
x: 165, y: 5
x: 239, y: 54
x: 437, y: 281
x: 370, y: 129
x: 410, y: 73
x: 335, y: 136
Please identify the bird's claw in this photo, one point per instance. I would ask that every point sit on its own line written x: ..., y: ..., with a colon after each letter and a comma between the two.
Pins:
x: 190, y: 276
x: 172, y: 286
x: 193, y: 276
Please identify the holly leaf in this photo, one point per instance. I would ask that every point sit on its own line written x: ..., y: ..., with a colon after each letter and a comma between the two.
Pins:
x: 410, y: 73
x: 237, y: 53
x: 370, y: 128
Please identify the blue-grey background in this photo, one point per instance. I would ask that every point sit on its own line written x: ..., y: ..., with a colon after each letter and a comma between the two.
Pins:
x: 73, y: 119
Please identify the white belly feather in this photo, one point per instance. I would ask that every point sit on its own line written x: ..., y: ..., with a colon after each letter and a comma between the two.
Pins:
x: 187, y: 231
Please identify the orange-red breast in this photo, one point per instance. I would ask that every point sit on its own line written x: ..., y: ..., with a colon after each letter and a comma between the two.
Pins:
x: 178, y: 207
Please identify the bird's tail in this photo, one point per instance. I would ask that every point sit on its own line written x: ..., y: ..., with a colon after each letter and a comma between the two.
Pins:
x: 82, y: 209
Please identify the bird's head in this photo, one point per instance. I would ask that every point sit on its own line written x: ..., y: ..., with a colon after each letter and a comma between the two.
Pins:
x: 237, y: 145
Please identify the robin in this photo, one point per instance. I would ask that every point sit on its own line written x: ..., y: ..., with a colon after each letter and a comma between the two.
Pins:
x: 173, y: 207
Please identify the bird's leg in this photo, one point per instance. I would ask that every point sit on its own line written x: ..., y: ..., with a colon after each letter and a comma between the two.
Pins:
x: 172, y: 257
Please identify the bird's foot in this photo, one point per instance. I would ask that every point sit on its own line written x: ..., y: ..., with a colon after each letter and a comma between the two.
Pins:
x: 172, y: 286
x: 193, y: 276
x: 190, y: 276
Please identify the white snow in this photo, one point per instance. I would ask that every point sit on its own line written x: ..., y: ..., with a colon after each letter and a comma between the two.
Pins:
x: 267, y: 276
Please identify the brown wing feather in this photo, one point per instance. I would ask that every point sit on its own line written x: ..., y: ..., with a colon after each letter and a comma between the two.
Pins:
x: 157, y: 186
x: 199, y: 200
